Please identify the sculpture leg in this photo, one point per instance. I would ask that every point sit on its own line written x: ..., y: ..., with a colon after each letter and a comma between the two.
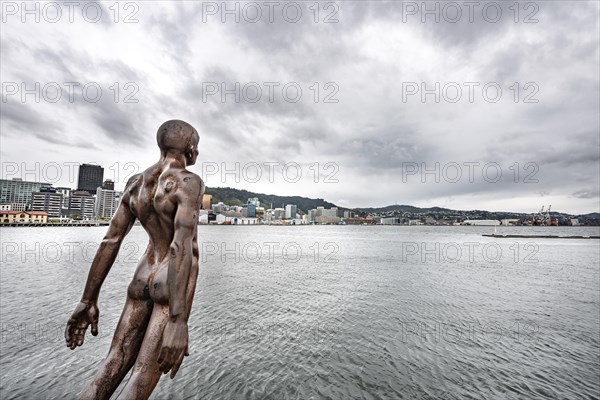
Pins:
x: 123, y: 351
x: 146, y: 373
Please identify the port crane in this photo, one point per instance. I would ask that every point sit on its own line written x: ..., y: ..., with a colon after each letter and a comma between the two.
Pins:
x: 543, y: 217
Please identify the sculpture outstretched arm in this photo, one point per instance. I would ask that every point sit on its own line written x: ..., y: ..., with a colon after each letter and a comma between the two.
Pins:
x: 86, y: 312
x: 106, y: 254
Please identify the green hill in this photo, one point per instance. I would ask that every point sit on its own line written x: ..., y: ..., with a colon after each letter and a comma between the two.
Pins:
x: 237, y: 197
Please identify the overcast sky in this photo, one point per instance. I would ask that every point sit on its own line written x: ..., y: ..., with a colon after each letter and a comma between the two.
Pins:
x: 359, y: 135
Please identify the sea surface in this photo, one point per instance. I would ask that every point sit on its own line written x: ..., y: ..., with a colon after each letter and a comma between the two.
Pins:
x: 332, y: 312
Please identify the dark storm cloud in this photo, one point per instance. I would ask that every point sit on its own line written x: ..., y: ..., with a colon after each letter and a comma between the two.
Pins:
x: 23, y: 121
x: 565, y: 149
x: 386, y: 149
x: 118, y: 122
x: 243, y: 121
x: 21, y: 118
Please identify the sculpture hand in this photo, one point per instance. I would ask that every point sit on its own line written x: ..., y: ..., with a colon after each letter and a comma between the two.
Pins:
x: 84, y: 315
x: 174, y: 347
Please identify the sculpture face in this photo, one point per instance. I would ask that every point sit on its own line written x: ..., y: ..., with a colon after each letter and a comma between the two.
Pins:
x: 192, y: 152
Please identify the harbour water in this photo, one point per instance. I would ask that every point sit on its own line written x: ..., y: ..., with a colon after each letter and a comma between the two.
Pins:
x: 367, y: 312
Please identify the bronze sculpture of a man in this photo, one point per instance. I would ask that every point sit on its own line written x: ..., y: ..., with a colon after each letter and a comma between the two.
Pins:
x: 152, y: 333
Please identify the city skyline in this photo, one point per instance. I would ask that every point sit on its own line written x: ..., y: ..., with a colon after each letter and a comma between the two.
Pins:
x: 109, y: 185
x: 379, y: 109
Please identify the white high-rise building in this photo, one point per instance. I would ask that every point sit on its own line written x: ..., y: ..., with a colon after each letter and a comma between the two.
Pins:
x: 290, y: 211
x: 106, y: 203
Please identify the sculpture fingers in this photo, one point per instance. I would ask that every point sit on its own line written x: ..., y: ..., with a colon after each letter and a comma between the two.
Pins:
x: 165, y: 361
x: 69, y: 332
x: 161, y: 355
x: 73, y: 336
x: 177, y: 365
x: 95, y: 327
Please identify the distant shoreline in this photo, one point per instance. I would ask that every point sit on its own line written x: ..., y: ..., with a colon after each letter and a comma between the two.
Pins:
x: 104, y: 224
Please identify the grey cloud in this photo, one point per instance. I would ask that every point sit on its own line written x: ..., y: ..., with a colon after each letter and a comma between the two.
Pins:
x: 118, y: 121
x: 231, y: 121
x: 21, y: 120
x: 587, y: 194
x: 21, y: 117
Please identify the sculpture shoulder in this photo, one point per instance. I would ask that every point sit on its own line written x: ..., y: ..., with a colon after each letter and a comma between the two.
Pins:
x: 132, y: 186
x: 191, y: 184
x: 133, y: 181
x: 178, y: 186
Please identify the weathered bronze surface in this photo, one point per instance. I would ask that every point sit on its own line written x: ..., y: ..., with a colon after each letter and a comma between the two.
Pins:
x: 152, y: 333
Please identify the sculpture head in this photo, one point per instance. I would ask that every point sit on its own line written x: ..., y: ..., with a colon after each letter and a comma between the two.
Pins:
x: 176, y: 138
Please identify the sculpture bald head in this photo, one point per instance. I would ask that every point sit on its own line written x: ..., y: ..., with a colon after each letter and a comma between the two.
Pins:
x: 177, y: 137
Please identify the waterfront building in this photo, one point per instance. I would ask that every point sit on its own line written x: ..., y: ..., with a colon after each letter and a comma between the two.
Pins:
x: 66, y: 192
x: 207, y: 202
x: 278, y: 213
x: 24, y: 217
x: 260, y: 212
x: 48, y: 200
x: 108, y: 185
x: 290, y: 211
x: 391, y: 221
x: 17, y: 193
x: 220, y: 208
x: 249, y: 211
x: 106, y: 203
x: 81, y: 204
x: 90, y: 178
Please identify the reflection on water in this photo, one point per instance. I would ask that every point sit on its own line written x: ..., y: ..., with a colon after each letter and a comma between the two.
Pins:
x: 326, y: 312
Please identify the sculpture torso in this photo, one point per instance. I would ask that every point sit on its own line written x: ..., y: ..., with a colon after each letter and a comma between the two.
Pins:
x: 152, y: 198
